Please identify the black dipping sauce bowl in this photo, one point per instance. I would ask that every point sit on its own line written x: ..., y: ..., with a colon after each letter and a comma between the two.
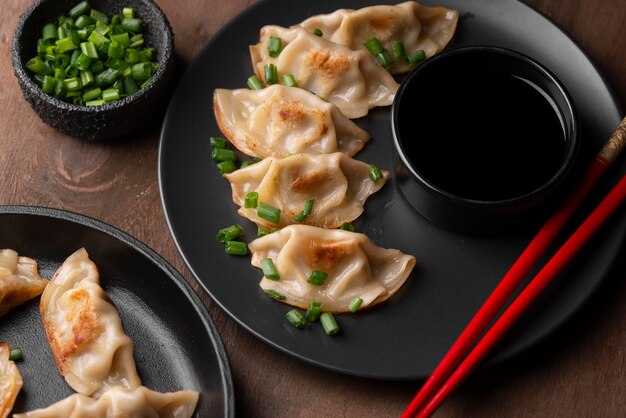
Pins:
x: 483, y: 138
x: 114, y: 119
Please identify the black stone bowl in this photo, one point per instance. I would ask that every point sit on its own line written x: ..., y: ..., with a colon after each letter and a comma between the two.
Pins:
x: 111, y: 120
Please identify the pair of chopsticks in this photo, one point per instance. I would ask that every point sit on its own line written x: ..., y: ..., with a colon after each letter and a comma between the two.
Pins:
x: 467, y: 351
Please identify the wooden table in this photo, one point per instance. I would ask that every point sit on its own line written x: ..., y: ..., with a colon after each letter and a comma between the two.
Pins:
x: 581, y: 371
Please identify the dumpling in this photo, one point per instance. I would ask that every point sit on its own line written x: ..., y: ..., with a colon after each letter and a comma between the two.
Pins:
x: 351, y: 80
x: 417, y: 26
x: 84, y: 330
x: 119, y: 402
x: 355, y: 267
x: 280, y: 120
x: 339, y: 184
x: 19, y: 280
x: 10, y: 381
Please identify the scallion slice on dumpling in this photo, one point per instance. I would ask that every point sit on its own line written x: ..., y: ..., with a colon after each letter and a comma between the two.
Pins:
x: 419, y: 27
x: 120, y: 402
x: 349, y: 79
x: 338, y: 184
x: 354, y: 267
x: 84, y: 330
x: 19, y: 280
x: 280, y: 120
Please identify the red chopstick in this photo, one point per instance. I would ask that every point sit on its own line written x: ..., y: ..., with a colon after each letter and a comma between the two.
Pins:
x: 520, y: 269
x: 551, y: 270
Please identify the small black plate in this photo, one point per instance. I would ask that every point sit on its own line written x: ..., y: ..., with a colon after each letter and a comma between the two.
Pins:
x: 405, y: 337
x: 176, y: 345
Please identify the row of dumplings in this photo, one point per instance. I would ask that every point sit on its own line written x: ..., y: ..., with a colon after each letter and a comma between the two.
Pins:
x: 89, y: 346
x: 305, y: 136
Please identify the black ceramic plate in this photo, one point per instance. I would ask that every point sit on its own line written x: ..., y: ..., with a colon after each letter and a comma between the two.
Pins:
x: 405, y: 337
x: 176, y: 345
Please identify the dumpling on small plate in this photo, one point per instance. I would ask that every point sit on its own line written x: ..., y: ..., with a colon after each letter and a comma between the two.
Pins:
x: 349, y: 79
x: 338, y: 184
x: 119, y: 402
x: 84, y: 330
x: 10, y: 381
x: 19, y: 280
x: 419, y: 27
x: 353, y: 265
x: 279, y: 120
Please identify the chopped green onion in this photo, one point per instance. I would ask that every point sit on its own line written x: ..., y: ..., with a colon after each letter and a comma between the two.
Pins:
x: 236, y: 248
x: 121, y: 38
x: 99, y: 16
x: 97, y: 67
x: 229, y: 234
x: 375, y: 174
x: 397, y: 47
x: 35, y: 64
x: 83, y: 21
x: 374, y: 46
x: 64, y: 45
x: 250, y: 162
x: 271, y: 74
x: 116, y: 51
x: 384, y: 58
x: 59, y: 87
x: 317, y: 277
x: 254, y: 83
x: 110, y: 95
x: 355, y: 304
x: 251, y: 200
x: 89, y: 48
x: 61, y: 33
x: 268, y: 212
x: 87, y: 78
x: 221, y: 154
x: 82, y: 62
x: 260, y: 232
x: 72, y: 84
x: 48, y: 84
x: 218, y: 142
x: 313, y: 312
x: 128, y: 12
x: 347, y: 226
x: 132, y: 24
x: 130, y: 86
x: 269, y: 269
x: 98, y: 102
x: 131, y: 56
x: 80, y: 9
x: 416, y: 57
x: 274, y: 46
x: 16, y: 354
x: 274, y: 294
x: 296, y: 319
x: 317, y: 32
x: 108, y: 76
x: 50, y: 32
x: 308, y: 207
x: 328, y: 322
x: 289, y: 80
x: 92, y: 94
x: 141, y: 71
x: 97, y: 38
x: 226, y: 167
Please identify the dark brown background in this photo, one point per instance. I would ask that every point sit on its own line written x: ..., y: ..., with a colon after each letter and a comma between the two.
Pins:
x: 581, y: 371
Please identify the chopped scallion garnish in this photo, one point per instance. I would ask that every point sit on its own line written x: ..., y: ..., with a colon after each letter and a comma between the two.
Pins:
x: 317, y: 277
x: 397, y: 47
x: 218, y: 142
x: 274, y: 294
x: 313, y: 312
x: 375, y: 174
x: 269, y: 269
x: 226, y: 167
x: 347, y: 226
x: 274, y: 46
x: 229, y: 233
x: 355, y: 304
x: 416, y: 57
x: 221, y: 154
x: 308, y: 207
x: 254, y: 83
x: 289, y: 80
x: 328, y: 322
x: 236, y: 248
x: 250, y: 162
x: 271, y: 74
x: 384, y: 58
x: 374, y: 46
x: 251, y: 200
x: 16, y: 354
x: 296, y: 319
x: 268, y: 212
x: 317, y: 32
x: 261, y: 232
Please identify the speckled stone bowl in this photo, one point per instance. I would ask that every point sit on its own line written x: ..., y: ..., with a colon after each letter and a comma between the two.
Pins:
x: 112, y: 120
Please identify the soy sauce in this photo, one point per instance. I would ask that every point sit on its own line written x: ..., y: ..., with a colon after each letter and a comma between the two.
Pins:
x: 483, y: 134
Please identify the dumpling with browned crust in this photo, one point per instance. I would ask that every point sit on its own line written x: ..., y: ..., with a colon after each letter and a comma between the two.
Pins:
x: 349, y: 79
x: 353, y: 267
x: 280, y: 120
x: 84, y: 330
x: 19, y: 280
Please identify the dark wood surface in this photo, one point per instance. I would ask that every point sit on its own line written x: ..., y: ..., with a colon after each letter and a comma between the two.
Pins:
x: 580, y: 371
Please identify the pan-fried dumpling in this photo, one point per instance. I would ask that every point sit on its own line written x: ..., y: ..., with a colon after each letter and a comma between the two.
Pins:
x: 280, y: 120
x: 355, y: 267
x: 10, y: 381
x: 119, y: 402
x: 352, y: 80
x: 84, y: 330
x: 418, y: 26
x: 19, y: 280
x: 339, y: 184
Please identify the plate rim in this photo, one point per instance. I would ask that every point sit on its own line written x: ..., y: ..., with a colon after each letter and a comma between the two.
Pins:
x: 158, y: 261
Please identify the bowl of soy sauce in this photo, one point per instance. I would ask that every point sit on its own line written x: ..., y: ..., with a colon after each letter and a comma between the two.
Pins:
x: 483, y: 138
